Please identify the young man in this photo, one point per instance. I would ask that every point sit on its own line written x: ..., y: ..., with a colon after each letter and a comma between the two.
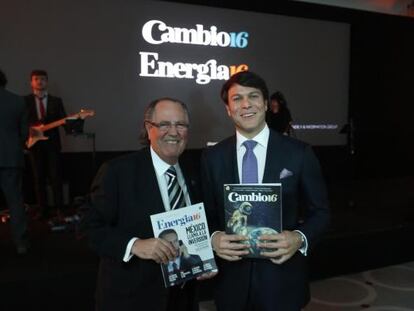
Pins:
x: 45, y: 155
x: 280, y: 282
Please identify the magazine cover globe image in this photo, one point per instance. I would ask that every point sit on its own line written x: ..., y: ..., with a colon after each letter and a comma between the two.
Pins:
x: 253, y: 210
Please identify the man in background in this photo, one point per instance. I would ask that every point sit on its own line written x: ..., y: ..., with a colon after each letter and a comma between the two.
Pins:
x: 13, y: 134
x: 45, y: 155
x: 278, y: 116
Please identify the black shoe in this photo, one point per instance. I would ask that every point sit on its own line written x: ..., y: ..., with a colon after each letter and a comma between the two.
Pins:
x: 22, y: 249
x: 42, y: 215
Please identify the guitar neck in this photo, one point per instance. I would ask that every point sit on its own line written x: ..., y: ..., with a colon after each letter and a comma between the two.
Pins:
x: 56, y: 123
x: 82, y: 114
x: 53, y: 124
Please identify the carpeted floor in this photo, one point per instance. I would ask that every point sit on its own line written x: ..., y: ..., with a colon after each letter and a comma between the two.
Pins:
x: 372, y: 228
x: 386, y: 289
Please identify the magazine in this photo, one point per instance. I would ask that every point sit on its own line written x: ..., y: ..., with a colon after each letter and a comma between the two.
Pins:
x: 253, y: 210
x: 186, y: 229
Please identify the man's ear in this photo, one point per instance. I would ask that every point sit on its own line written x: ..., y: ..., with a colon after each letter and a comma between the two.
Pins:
x: 228, y: 110
x: 147, y: 127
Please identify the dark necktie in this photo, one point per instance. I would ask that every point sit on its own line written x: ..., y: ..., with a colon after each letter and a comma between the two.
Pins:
x: 175, y: 192
x: 41, y: 108
x: 249, y: 164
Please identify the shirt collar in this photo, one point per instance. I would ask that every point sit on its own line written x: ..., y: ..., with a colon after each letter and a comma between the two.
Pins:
x: 261, y: 138
x: 159, y: 164
x: 45, y: 94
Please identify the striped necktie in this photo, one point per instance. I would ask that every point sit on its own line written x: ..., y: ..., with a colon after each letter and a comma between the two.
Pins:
x: 175, y: 192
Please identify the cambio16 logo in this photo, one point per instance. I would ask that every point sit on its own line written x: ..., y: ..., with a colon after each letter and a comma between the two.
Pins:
x: 156, y: 32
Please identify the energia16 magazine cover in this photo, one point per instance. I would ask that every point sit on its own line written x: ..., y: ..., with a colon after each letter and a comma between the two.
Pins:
x: 186, y: 229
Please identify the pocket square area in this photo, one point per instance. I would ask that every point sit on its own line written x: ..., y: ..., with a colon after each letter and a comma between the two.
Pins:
x: 285, y: 173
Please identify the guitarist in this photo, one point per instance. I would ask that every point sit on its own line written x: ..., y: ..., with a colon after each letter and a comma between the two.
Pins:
x: 45, y: 155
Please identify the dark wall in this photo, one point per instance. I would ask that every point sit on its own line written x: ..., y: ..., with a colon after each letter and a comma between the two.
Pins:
x: 381, y: 85
x: 381, y: 97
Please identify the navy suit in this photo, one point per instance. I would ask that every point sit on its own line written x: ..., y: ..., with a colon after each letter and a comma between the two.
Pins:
x: 275, y: 287
x: 13, y: 134
x: 125, y: 194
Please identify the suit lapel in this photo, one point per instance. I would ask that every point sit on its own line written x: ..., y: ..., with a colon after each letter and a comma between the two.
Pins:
x: 32, y: 109
x: 232, y: 160
x: 227, y: 160
x: 52, y: 109
x: 274, y: 158
x: 50, y: 103
x: 148, y: 184
x: 190, y: 182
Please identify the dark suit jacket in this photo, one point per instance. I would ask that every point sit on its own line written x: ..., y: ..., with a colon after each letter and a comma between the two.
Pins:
x: 13, y: 129
x: 287, y: 282
x: 191, y: 261
x: 55, y: 111
x: 125, y: 194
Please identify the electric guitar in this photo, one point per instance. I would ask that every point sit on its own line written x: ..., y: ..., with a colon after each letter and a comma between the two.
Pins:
x: 36, y: 132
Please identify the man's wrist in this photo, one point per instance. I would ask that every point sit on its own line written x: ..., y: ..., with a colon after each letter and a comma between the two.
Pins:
x: 128, y: 252
x: 303, y: 248
x: 211, y: 239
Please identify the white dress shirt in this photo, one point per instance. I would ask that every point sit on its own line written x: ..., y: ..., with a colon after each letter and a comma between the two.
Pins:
x: 260, y: 151
x: 161, y: 167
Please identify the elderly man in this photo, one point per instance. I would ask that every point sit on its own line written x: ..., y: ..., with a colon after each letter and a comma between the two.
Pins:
x: 126, y: 191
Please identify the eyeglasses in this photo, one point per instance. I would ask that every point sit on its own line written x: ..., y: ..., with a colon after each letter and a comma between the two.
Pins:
x: 166, y: 125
